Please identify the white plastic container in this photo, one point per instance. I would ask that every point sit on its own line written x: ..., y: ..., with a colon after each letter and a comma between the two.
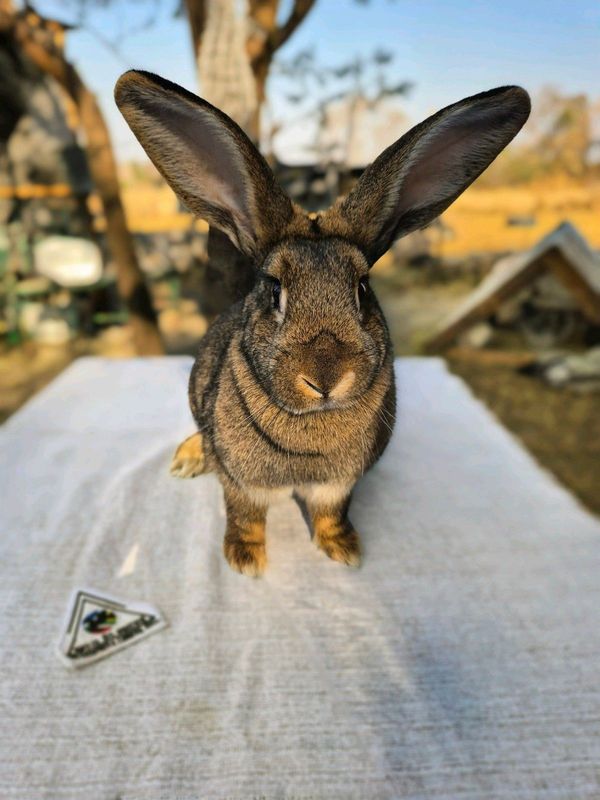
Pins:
x: 68, y: 261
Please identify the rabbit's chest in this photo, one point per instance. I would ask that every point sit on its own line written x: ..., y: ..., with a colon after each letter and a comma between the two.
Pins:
x: 265, y: 446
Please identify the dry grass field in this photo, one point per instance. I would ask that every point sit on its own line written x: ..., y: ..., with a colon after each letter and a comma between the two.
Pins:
x: 478, y: 222
x: 559, y: 428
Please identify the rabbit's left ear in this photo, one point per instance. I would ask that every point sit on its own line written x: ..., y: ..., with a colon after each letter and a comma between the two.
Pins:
x: 421, y: 174
x: 208, y: 160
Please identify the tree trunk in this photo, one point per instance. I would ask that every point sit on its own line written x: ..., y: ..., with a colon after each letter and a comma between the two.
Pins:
x: 226, y: 80
x: 103, y: 169
x: 130, y: 279
x: 224, y: 72
x: 234, y: 51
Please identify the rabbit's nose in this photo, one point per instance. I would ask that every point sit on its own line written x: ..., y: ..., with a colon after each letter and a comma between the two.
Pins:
x: 325, y: 368
x: 309, y: 387
x: 344, y: 384
x: 322, y: 389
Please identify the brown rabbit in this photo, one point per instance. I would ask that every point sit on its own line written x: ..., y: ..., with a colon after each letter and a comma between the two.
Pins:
x: 293, y: 387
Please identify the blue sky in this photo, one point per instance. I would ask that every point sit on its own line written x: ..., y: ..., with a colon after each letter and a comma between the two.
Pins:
x: 448, y: 49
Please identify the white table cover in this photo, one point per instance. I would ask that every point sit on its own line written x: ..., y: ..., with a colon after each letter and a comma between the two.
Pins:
x: 461, y: 661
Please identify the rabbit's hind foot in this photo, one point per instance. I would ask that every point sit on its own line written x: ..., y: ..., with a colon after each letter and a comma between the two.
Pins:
x: 188, y: 460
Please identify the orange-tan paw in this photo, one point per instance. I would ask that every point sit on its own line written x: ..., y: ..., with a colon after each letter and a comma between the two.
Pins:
x: 249, y: 558
x: 342, y: 544
x: 188, y: 460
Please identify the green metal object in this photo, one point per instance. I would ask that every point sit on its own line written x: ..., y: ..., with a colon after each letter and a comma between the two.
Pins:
x: 106, y: 318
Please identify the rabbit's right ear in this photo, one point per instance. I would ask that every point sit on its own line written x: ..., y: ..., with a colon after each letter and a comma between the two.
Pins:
x: 207, y: 159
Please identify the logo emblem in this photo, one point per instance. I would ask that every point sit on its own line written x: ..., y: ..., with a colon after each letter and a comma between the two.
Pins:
x: 98, y: 624
x: 99, y: 621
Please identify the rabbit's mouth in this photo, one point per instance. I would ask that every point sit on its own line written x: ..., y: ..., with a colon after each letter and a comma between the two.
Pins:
x: 320, y: 397
x: 309, y: 385
x: 318, y: 407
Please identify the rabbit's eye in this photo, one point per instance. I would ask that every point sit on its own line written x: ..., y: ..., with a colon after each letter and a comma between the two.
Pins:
x: 361, y: 291
x: 276, y: 294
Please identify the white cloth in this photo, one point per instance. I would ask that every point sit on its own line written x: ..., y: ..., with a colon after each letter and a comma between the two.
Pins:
x: 462, y: 660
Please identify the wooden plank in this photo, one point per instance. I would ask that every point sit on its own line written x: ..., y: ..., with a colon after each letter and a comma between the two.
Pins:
x: 487, y: 307
x: 28, y: 191
x: 490, y: 358
x: 588, y: 299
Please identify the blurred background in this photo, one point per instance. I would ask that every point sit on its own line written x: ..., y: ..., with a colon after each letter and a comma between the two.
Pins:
x: 98, y: 258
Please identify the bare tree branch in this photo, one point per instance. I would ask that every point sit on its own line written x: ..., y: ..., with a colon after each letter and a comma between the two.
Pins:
x: 281, y: 34
x: 196, y: 13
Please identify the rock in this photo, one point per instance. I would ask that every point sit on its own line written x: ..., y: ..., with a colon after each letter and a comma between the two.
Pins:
x: 29, y: 317
x: 477, y: 336
x: 579, y: 372
x: 52, y: 331
x: 68, y: 261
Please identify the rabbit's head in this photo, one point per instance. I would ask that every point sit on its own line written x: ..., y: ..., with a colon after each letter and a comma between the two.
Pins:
x: 313, y: 332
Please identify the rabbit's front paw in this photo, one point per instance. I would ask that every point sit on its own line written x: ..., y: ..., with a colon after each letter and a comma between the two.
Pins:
x: 188, y: 460
x: 247, y: 557
x: 339, y: 541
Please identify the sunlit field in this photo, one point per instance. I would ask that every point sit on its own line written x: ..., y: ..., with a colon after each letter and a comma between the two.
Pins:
x: 514, y: 218
x: 484, y: 220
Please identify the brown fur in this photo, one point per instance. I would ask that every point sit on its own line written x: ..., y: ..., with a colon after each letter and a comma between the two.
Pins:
x: 244, y: 544
x: 293, y: 386
x: 338, y: 539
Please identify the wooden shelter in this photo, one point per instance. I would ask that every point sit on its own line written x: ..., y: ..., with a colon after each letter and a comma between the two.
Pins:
x: 563, y: 254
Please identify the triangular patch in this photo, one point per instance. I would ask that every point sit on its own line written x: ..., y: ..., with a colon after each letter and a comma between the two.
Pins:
x: 98, y: 624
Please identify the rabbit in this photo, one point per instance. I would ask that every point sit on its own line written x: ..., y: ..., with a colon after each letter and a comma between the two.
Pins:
x: 293, y: 387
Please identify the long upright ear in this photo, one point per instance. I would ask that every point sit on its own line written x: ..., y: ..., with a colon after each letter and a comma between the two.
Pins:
x: 421, y: 174
x: 207, y: 159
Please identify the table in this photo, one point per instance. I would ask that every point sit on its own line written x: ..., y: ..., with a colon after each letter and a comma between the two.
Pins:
x: 462, y: 660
